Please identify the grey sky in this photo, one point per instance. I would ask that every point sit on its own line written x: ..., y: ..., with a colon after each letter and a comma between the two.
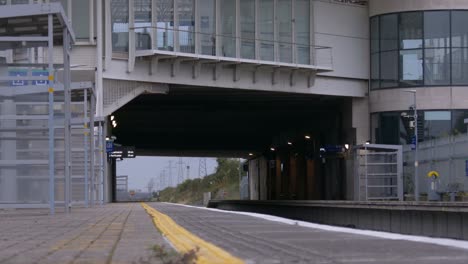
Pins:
x: 141, y: 169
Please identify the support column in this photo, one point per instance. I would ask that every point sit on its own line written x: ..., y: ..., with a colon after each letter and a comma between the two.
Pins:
x: 51, y: 115
x: 67, y: 109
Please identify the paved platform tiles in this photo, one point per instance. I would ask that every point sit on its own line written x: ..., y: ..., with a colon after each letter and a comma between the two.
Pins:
x: 113, y: 233
x: 124, y: 233
x: 260, y: 241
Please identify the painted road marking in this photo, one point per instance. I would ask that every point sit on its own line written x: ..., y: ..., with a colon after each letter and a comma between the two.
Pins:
x: 184, y: 241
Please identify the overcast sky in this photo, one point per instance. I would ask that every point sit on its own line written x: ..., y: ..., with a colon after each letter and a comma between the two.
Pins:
x: 141, y: 169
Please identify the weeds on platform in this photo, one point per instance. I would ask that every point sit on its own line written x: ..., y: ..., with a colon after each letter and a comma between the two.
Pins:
x: 159, y: 254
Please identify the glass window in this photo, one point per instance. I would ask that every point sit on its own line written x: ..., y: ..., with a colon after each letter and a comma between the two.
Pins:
x: 302, y: 21
x: 437, y: 66
x: 247, y: 24
x: 284, y: 30
x: 119, y: 12
x: 80, y: 19
x: 411, y: 30
x: 206, y: 11
x: 374, y: 34
x: 266, y: 28
x: 459, y: 65
x: 228, y: 28
x: 375, y: 74
x: 19, y: 2
x: 459, y: 29
x: 389, y: 32
x: 389, y: 73
x: 142, y: 9
x: 458, y: 121
x: 436, y: 29
x: 186, y: 12
x: 165, y: 24
x: 437, y: 124
x: 411, y: 69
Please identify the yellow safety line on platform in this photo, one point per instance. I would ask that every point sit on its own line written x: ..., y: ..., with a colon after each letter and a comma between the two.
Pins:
x: 184, y: 241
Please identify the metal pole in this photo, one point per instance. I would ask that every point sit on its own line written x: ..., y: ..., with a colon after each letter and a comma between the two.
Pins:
x: 50, y: 26
x: 416, y: 160
x: 92, y: 151
x: 67, y: 131
x: 86, y: 148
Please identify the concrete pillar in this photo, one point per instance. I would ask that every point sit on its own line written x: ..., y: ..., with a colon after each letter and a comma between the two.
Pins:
x: 8, y: 181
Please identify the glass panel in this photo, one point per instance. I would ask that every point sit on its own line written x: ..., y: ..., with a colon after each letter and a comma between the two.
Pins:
x: 459, y: 29
x: 303, y: 31
x: 389, y: 32
x: 186, y: 10
x: 247, y: 23
x: 458, y: 121
x: 284, y: 30
x: 266, y: 27
x: 80, y: 19
x: 436, y: 29
x: 228, y: 28
x: 411, y: 71
x: 3, y: 2
x: 411, y: 30
x: 436, y: 66
x: 207, y: 26
x: 437, y: 124
x: 389, y: 73
x: 374, y: 30
x: 142, y: 10
x: 459, y: 65
x: 375, y: 74
x: 165, y: 24
x: 119, y: 18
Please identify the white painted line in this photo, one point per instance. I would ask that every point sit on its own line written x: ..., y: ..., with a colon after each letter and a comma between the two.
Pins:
x: 385, y: 235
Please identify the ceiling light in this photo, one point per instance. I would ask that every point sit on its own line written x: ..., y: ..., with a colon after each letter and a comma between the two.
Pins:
x: 272, y: 149
x: 112, y: 118
x: 307, y: 137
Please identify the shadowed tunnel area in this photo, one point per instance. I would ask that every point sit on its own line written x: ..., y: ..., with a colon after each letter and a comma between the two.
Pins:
x: 194, y: 121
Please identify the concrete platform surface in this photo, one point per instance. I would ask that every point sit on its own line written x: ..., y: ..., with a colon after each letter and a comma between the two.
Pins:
x: 113, y: 233
x: 260, y: 241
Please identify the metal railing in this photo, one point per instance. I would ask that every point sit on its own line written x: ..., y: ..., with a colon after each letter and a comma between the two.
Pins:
x: 224, y: 45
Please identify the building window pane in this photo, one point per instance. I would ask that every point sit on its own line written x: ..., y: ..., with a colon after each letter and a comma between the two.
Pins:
x: 458, y: 121
x: 142, y: 9
x: 459, y: 65
x: 165, y: 24
x: 375, y: 74
x: 119, y: 12
x: 247, y: 24
x: 228, y: 27
x: 186, y: 12
x: 459, y: 29
x: 284, y: 30
x: 266, y: 28
x: 436, y: 29
x: 411, y: 30
x: 302, y: 21
x: 19, y: 2
x: 411, y: 70
x: 437, y: 124
x: 389, y: 32
x: 436, y: 66
x: 80, y: 19
x: 374, y: 30
x: 206, y: 10
x: 389, y: 71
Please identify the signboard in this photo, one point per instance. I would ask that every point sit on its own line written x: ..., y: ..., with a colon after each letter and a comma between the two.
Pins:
x: 122, y: 152
x: 466, y: 168
x: 24, y: 73
x: 333, y: 148
x: 109, y: 146
x: 413, y: 142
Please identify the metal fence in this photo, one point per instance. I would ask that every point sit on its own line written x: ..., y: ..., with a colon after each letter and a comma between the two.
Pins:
x: 378, y: 170
x: 449, y: 157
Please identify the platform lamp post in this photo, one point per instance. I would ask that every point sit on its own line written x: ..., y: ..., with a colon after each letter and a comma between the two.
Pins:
x: 416, y: 160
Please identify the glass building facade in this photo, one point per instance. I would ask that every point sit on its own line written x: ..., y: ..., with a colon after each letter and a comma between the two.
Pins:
x: 268, y: 30
x: 426, y: 48
x: 395, y: 128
